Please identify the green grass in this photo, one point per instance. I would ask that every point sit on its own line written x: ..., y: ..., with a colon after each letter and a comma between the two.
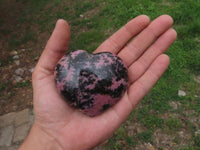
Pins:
x: 10, y: 94
x: 23, y: 84
x: 88, y: 32
x: 5, y: 86
x: 196, y: 140
x: 145, y: 136
x: 173, y: 124
x: 152, y: 122
x: 120, y: 140
x: 131, y: 142
x: 5, y: 61
x: 88, y: 38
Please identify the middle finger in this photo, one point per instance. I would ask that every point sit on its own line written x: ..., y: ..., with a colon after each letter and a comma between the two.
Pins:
x: 142, y: 41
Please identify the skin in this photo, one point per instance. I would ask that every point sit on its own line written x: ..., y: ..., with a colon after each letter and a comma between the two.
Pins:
x: 57, y: 125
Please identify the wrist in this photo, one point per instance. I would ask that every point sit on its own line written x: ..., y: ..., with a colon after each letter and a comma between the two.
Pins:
x: 40, y: 140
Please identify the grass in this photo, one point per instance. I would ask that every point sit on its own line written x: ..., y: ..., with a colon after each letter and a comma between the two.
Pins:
x: 10, y: 94
x: 93, y: 28
x: 173, y: 124
x: 152, y: 122
x: 196, y: 140
x: 6, y: 61
x: 23, y: 84
x: 145, y: 136
x: 121, y: 140
x: 5, y: 86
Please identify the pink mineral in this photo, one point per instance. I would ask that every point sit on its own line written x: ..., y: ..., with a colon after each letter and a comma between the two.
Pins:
x: 91, y: 82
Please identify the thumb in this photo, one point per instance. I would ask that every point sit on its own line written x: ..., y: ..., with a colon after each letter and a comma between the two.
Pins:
x: 54, y: 50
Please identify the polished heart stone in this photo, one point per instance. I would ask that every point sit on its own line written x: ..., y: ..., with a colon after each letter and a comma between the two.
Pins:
x: 91, y: 82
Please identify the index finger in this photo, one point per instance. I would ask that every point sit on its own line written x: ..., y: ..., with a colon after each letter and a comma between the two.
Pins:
x: 120, y: 38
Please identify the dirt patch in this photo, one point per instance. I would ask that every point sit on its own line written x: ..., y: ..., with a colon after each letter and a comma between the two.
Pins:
x: 90, y: 13
x: 163, y: 140
x: 16, y: 91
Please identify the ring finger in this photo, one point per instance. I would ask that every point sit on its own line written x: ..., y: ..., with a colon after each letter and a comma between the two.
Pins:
x: 160, y: 46
x: 142, y: 41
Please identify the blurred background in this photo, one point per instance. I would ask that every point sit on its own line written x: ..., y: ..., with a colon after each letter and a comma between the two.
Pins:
x: 167, y: 118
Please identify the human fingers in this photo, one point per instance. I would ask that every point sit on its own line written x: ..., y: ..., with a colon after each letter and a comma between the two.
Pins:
x: 117, y: 114
x: 55, y: 48
x: 120, y: 38
x: 142, y: 41
x: 159, y: 47
x: 141, y: 87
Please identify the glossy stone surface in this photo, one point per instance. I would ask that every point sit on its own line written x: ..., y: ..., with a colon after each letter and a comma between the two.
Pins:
x: 91, y: 82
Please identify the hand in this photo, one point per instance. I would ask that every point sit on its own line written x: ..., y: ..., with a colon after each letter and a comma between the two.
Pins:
x: 59, y: 126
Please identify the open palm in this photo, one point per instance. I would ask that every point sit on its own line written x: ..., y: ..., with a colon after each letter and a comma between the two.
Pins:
x: 139, y: 43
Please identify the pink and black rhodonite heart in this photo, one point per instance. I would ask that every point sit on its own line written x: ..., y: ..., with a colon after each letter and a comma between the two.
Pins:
x: 91, y: 82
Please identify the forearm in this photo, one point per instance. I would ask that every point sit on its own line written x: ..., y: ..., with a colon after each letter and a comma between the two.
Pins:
x: 39, y: 140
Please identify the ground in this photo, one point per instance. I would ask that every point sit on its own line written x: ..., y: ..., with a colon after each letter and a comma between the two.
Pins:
x: 15, y: 93
x: 165, y: 119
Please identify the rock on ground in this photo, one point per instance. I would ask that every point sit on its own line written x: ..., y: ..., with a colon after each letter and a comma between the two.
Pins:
x: 181, y: 93
x: 14, y: 127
